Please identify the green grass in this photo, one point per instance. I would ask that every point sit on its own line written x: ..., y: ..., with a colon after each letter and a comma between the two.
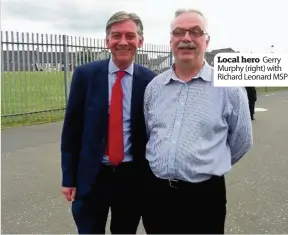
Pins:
x: 32, y: 93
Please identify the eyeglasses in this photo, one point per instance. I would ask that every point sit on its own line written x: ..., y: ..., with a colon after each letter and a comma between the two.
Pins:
x: 194, y: 32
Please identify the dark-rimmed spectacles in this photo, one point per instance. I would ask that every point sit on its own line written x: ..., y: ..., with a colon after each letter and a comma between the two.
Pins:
x: 194, y: 32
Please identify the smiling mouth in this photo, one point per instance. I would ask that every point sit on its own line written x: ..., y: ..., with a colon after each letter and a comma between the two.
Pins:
x: 123, y: 50
x: 188, y: 48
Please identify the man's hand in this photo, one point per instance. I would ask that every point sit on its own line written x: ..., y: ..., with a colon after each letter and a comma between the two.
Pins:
x: 69, y: 193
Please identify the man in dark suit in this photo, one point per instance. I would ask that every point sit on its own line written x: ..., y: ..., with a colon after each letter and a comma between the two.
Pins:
x: 252, y: 97
x: 104, y: 135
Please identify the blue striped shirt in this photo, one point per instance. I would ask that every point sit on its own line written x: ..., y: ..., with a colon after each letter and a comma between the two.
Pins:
x: 195, y: 130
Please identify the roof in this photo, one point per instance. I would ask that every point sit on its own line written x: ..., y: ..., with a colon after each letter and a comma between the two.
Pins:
x: 158, y: 60
x: 214, y: 52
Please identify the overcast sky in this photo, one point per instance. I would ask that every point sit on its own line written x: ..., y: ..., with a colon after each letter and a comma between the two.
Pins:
x: 246, y: 25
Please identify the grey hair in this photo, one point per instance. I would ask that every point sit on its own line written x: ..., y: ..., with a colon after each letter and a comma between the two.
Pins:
x: 181, y: 11
x: 121, y: 16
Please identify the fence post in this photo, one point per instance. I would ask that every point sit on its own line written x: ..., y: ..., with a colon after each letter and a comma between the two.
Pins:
x: 66, y: 68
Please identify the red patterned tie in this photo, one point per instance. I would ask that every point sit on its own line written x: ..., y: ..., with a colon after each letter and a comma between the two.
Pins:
x: 115, y: 128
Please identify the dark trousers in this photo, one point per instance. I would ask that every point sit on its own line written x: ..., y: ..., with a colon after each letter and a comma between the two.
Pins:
x: 115, y: 188
x: 186, y: 208
x: 252, y: 108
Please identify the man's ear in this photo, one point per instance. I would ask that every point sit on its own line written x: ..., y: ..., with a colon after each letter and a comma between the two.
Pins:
x: 141, y: 42
x: 107, y: 42
x: 207, y: 40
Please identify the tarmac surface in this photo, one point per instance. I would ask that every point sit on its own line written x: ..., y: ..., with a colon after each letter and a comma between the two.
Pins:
x: 257, y: 187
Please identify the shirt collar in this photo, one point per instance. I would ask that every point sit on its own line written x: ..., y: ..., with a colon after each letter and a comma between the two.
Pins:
x: 205, y: 73
x: 113, y: 68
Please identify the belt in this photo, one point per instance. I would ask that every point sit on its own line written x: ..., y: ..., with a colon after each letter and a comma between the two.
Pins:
x: 184, y: 184
x: 121, y: 166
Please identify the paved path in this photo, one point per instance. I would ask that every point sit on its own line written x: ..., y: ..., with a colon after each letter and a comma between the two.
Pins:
x: 257, y: 187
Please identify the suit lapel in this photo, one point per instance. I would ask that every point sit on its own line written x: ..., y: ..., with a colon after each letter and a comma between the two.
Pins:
x: 99, y: 90
x: 102, y: 81
x: 137, y: 90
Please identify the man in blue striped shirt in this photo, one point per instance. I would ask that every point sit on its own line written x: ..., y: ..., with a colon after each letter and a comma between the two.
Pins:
x: 196, y: 133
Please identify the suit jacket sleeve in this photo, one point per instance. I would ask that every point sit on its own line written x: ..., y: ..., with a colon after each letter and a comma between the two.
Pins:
x: 72, y: 130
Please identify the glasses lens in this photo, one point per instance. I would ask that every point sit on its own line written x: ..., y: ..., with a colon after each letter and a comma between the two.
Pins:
x: 196, y: 32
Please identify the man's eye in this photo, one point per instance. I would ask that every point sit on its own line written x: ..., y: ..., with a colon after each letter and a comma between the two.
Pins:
x: 196, y: 32
x: 178, y: 32
x: 130, y: 36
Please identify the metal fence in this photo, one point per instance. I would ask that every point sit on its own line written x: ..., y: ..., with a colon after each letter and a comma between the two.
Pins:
x: 37, y: 69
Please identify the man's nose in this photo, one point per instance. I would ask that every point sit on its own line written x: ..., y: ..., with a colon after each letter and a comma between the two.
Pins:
x: 123, y: 40
x: 187, y: 37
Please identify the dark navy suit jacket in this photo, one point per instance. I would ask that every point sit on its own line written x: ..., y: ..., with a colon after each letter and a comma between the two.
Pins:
x: 84, y: 134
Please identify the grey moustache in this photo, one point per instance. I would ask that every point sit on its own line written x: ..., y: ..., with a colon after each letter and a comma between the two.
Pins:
x: 186, y: 45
